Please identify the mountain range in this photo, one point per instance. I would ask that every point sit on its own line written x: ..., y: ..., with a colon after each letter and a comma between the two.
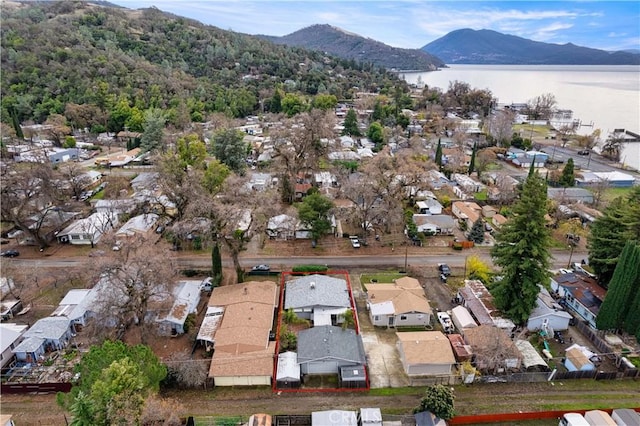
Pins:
x: 467, y: 46
x: 338, y: 42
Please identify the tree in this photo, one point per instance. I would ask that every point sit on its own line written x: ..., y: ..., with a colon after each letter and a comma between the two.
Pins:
x: 476, y: 234
x: 229, y: 148
x: 348, y: 319
x: 472, y: 162
x: 609, y: 233
x: 376, y: 134
x: 613, y: 146
x: 439, y: 400
x: 57, y: 128
x: 324, y: 102
x: 501, y: 127
x: 314, y: 211
x: 292, y: 104
x: 568, y: 177
x: 541, y: 107
x: 192, y: 151
x: 216, y: 265
x: 351, y: 124
x: 76, y: 177
x: 478, y: 270
x: 186, y: 371
x: 622, y: 291
x: 522, y: 251
x: 438, y: 158
x: 154, y: 122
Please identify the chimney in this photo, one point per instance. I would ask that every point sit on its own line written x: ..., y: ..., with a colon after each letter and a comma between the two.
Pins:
x: 245, y: 290
x: 312, y: 284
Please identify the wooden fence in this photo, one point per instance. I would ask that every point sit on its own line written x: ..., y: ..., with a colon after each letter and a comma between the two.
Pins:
x: 20, y: 388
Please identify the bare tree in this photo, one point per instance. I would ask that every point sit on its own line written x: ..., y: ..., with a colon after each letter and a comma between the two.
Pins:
x: 541, y: 107
x: 136, y: 283
x: 613, y: 146
x: 589, y: 141
x: 31, y: 194
x: 187, y: 372
x: 57, y: 128
x: 500, y: 127
x: 161, y: 412
x: 75, y: 177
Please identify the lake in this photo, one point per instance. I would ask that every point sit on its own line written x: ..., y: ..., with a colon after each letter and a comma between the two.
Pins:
x: 606, y: 96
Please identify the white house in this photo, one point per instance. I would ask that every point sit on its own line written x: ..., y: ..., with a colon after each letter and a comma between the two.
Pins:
x: 138, y: 225
x: 49, y: 333
x: 10, y: 336
x: 548, y: 313
x: 285, y: 227
x: 77, y: 305
x: 402, y: 303
x: 429, y: 206
x: 88, y: 230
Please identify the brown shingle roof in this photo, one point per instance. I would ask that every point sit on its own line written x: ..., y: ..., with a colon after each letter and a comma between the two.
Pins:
x: 252, y: 291
x: 426, y: 347
x: 257, y: 363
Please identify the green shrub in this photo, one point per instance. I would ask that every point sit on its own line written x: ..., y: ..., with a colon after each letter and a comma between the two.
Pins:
x: 310, y: 268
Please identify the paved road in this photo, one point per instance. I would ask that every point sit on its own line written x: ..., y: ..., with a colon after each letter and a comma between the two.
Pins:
x: 592, y: 162
x: 560, y: 260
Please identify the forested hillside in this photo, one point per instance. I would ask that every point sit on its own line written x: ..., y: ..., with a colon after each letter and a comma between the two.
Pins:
x: 100, y: 60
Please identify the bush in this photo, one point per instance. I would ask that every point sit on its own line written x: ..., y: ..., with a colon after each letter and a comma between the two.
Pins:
x: 310, y: 268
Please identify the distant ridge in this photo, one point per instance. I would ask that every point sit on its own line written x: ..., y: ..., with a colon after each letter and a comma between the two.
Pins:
x: 347, y: 45
x: 469, y: 46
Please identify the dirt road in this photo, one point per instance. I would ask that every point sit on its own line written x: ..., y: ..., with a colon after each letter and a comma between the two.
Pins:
x: 476, y: 399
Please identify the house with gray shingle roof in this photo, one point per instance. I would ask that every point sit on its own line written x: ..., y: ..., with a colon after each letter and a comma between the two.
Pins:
x: 319, y: 298
x: 49, y: 333
x: 326, y: 349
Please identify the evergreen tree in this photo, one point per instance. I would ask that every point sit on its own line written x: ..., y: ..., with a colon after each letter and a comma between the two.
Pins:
x: 438, y: 158
x: 632, y: 322
x: 620, y: 223
x: 153, y: 127
x: 472, y: 163
x: 276, y: 102
x: 623, y: 289
x: 532, y: 169
x: 314, y: 212
x: 568, y: 178
x: 16, y: 122
x: 216, y: 265
x: 351, y: 124
x: 438, y: 400
x: 522, y: 251
x: 230, y: 149
x: 477, y: 232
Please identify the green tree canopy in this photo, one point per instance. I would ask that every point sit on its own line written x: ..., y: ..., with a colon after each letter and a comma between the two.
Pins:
x: 568, y: 177
x: 476, y: 234
x: 522, y: 251
x: 623, y: 291
x: 324, y: 102
x: 192, y: 151
x: 292, y: 104
x: 351, y: 124
x: 472, y: 162
x: 314, y: 212
x: 376, y: 134
x: 153, y: 128
x: 439, y: 400
x: 620, y: 223
x: 438, y: 158
x: 230, y: 149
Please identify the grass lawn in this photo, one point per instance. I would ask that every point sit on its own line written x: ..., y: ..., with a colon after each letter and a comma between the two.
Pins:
x: 611, y: 194
x: 381, y: 277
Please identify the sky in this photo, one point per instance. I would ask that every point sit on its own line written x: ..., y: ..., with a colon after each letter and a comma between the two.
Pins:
x: 608, y: 25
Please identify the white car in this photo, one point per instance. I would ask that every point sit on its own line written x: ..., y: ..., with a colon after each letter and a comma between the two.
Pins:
x: 445, y: 322
x: 355, y: 243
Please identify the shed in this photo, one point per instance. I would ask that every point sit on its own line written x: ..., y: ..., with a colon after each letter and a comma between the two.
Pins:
x: 370, y: 417
x: 599, y: 418
x: 353, y: 377
x: 531, y: 359
x: 461, y: 350
x: 625, y: 417
x: 576, y: 360
x: 334, y: 418
x: 9, y: 308
x: 462, y: 319
x: 288, y: 370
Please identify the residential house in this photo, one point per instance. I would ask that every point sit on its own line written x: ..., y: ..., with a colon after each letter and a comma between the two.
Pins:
x: 401, y: 303
x: 467, y: 183
x: 124, y: 158
x: 461, y: 350
x: 437, y: 179
x: 145, y: 181
x: 325, y: 180
x: 425, y: 353
x: 493, y: 350
x: 466, y: 211
x: 429, y: 206
x: 288, y: 370
x: 576, y: 360
x: 462, y: 319
x: 437, y: 224
x: 244, y: 353
x: 9, y: 307
x: 326, y: 349
x: 523, y: 159
x: 570, y: 195
x: 89, y: 230
x: 477, y: 299
x: 78, y: 305
x: 118, y: 207
x: 10, y: 336
x: 47, y: 334
x: 186, y: 299
x: 498, y: 220
x: 548, y: 314
x: 261, y: 181
x: 319, y: 298
x: 531, y: 359
x: 286, y: 227
x: 580, y: 293
x: 138, y: 225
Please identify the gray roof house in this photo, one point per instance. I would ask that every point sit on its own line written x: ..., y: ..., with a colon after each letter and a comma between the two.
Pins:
x: 77, y: 305
x: 572, y: 195
x: 441, y: 224
x: 187, y: 297
x: 319, y: 298
x: 325, y: 349
x: 49, y: 333
x: 88, y: 230
x: 548, y: 314
x: 10, y: 337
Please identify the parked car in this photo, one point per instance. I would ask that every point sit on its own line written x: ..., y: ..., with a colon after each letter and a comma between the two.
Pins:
x: 207, y: 284
x: 584, y: 152
x: 10, y: 253
x: 445, y: 322
x: 444, y: 269
x: 261, y: 268
x: 355, y: 242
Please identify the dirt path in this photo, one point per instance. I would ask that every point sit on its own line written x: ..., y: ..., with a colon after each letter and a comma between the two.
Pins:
x: 477, y: 399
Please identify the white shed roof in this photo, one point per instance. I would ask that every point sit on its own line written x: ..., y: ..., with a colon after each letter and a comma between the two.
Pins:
x: 9, y: 333
x: 288, y: 367
x: 382, y: 308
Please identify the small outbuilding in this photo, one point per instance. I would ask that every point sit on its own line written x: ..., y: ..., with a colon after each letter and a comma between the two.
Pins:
x: 288, y: 370
x: 576, y: 360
